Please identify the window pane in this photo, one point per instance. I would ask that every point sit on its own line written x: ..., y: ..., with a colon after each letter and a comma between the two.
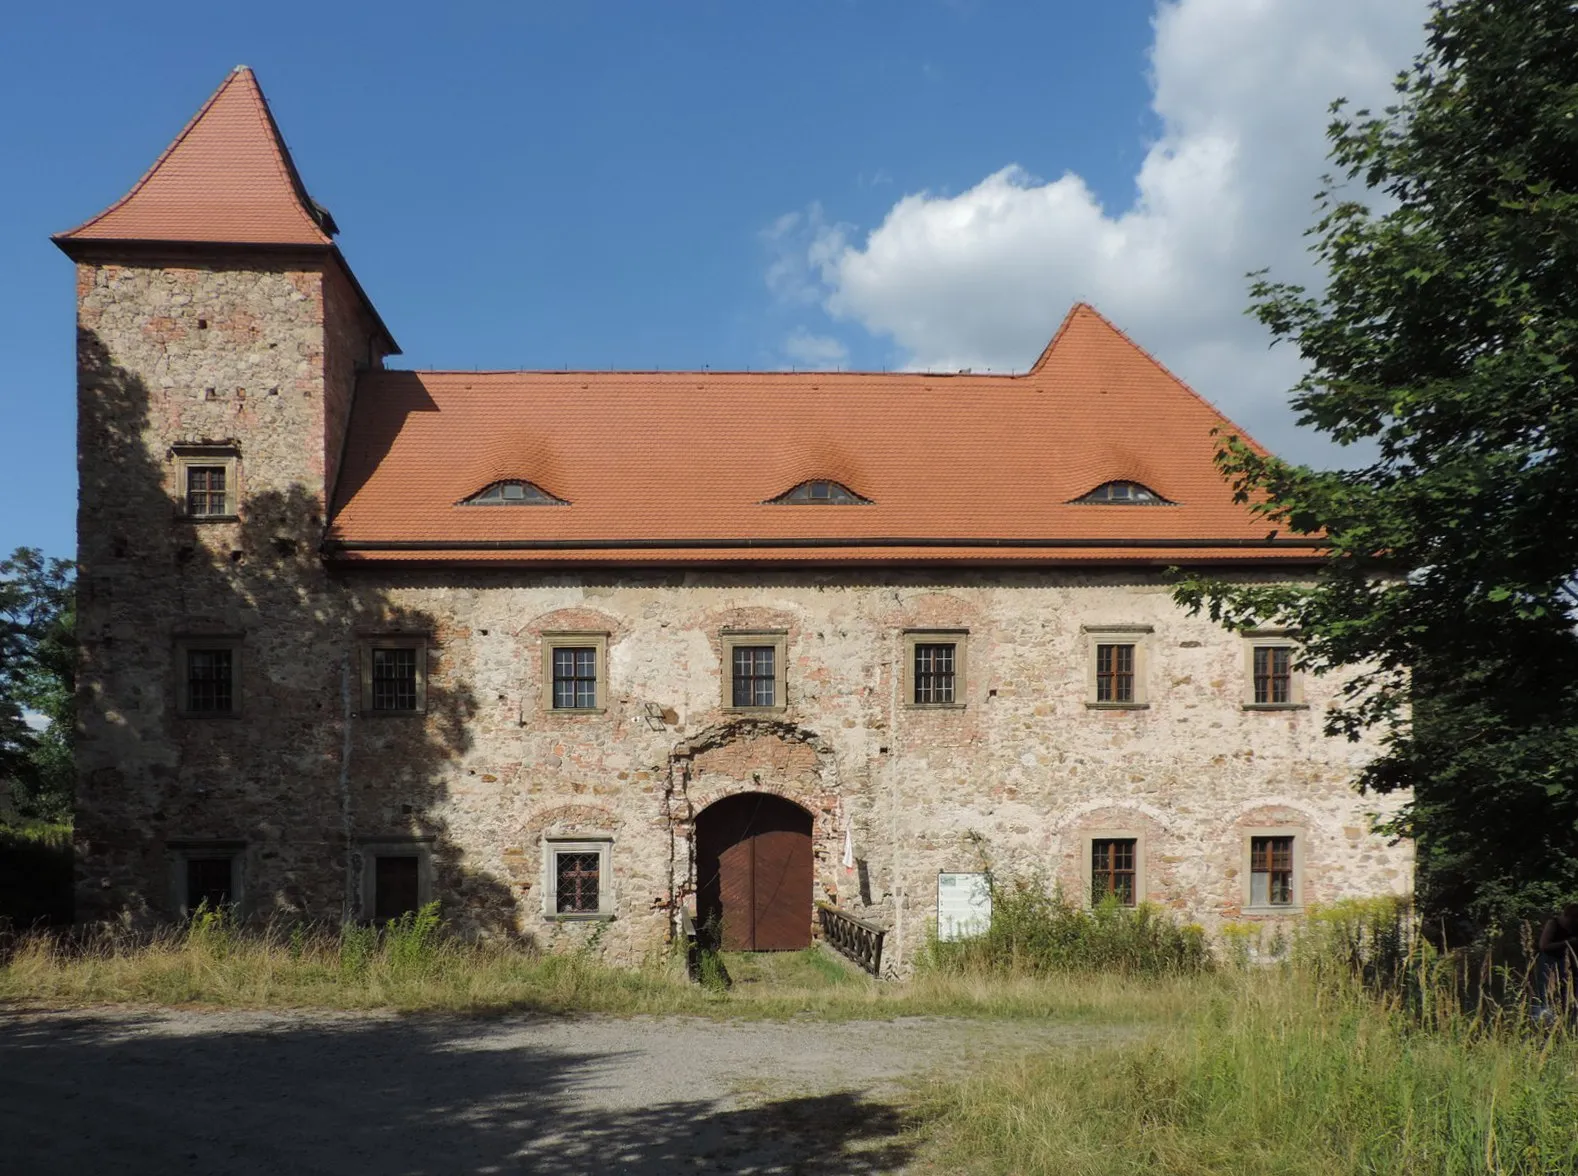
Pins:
x: 1112, y: 869
x: 205, y: 490
x: 209, y: 682
x: 934, y: 672
x: 754, y: 683
x: 395, y: 886
x: 1114, y: 673
x: 576, y: 883
x: 1271, y: 871
x: 575, y: 678
x: 208, y: 881
x: 394, y: 679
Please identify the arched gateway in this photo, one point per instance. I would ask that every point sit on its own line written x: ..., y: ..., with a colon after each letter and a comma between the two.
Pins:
x: 754, y: 872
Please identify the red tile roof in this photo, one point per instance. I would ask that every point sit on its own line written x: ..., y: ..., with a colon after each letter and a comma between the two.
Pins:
x: 227, y: 179
x: 676, y: 467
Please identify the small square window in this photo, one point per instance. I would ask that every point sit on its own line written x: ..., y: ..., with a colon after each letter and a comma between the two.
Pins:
x: 574, y: 671
x: 754, y: 670
x: 397, y: 877
x: 206, y: 481
x: 394, y: 675
x: 208, y: 677
x: 206, y: 875
x: 934, y: 668
x: 577, y: 879
x: 1118, y: 657
x: 1271, y: 871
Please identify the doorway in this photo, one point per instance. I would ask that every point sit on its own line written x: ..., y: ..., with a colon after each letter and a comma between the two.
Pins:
x: 754, y: 873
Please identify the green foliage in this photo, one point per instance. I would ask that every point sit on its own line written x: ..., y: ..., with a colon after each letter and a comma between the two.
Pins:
x: 35, y: 874
x: 1036, y: 931
x: 413, y: 940
x: 37, y: 674
x: 1446, y: 345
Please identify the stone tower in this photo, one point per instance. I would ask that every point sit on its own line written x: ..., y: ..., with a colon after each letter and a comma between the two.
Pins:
x: 219, y: 336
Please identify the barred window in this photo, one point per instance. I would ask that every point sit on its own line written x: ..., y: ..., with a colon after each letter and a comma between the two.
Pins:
x: 397, y: 885
x: 575, y: 678
x: 577, y: 883
x: 208, y: 882
x: 1112, y: 869
x: 210, y: 681
x: 934, y: 671
x: 1271, y: 871
x: 1114, y: 673
x: 206, y: 492
x: 1273, y: 675
x: 755, y: 680
x: 394, y: 679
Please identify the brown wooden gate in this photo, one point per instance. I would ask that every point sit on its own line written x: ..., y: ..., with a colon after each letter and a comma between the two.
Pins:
x: 753, y: 873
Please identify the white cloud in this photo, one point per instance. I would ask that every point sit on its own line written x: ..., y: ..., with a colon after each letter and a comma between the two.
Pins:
x: 1241, y: 87
x: 814, y: 351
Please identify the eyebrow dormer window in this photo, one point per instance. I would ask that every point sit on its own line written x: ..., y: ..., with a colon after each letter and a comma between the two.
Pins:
x: 513, y: 494
x: 820, y: 493
x: 1124, y: 494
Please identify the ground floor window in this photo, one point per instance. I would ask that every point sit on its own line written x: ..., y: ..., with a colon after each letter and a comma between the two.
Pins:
x: 1114, y: 863
x: 1271, y: 871
x: 577, y: 879
x: 396, y: 877
x: 207, y: 875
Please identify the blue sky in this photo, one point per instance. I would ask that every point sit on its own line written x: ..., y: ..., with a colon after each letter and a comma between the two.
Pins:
x: 833, y: 182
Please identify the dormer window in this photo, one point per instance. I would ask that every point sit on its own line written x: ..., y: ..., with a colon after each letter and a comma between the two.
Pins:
x: 820, y: 493
x: 513, y: 493
x: 1124, y: 494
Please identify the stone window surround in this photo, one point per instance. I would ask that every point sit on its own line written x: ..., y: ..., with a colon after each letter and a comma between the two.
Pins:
x: 182, y: 851
x: 366, y: 643
x: 603, y: 846
x: 573, y: 639
x: 779, y: 640
x: 1247, y: 836
x: 223, y: 454
x: 960, y: 640
x: 186, y: 643
x: 372, y: 848
x: 1283, y: 638
x: 1138, y: 636
x: 1087, y: 840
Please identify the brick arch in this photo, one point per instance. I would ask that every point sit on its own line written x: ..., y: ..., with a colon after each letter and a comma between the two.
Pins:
x: 572, y: 818
x: 744, y: 732
x: 577, y: 617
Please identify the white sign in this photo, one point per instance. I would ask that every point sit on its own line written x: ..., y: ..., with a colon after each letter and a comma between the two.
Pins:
x: 964, y: 906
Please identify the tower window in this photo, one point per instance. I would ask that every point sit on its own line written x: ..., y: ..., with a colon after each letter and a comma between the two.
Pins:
x: 206, y: 480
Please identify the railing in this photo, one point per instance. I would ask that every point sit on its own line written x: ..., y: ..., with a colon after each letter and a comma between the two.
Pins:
x: 859, y: 940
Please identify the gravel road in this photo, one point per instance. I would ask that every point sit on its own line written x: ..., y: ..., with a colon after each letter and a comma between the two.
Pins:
x: 167, y: 1092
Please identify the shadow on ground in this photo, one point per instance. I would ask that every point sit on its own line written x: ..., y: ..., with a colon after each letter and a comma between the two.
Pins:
x: 136, y: 1095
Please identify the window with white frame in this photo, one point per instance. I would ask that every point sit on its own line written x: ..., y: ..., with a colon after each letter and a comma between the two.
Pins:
x: 574, y: 671
x: 577, y: 879
x: 394, y: 674
x: 753, y: 670
x: 934, y: 667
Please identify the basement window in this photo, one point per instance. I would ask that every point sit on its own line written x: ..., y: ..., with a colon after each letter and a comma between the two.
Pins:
x: 820, y: 492
x: 1123, y: 494
x: 513, y: 493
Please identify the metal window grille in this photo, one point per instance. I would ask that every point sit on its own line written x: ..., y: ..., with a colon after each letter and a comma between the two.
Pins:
x: 210, y: 685
x: 934, y: 672
x: 1273, y: 674
x: 205, y: 491
x: 1271, y: 871
x: 574, y: 678
x: 1112, y: 869
x: 576, y: 889
x: 1114, y: 673
x: 208, y: 883
x: 394, y: 679
x: 754, y: 681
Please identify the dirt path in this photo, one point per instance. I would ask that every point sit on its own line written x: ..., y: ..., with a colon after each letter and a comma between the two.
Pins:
x: 280, y: 1094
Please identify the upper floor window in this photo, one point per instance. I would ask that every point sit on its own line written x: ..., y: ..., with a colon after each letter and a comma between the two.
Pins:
x: 513, y: 493
x: 573, y: 671
x: 1273, y: 681
x: 820, y: 492
x: 206, y: 479
x: 934, y: 668
x: 394, y: 675
x: 754, y: 670
x: 1124, y: 494
x: 1118, y: 656
x: 1115, y: 673
x: 208, y: 676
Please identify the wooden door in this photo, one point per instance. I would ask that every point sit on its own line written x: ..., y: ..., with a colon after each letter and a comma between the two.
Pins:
x: 754, y: 873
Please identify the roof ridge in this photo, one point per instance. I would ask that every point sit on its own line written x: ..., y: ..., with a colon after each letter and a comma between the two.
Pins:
x: 1046, y: 352
x: 762, y: 372
x: 283, y: 158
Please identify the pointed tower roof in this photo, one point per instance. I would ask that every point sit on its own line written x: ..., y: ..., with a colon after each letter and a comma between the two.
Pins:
x: 227, y: 179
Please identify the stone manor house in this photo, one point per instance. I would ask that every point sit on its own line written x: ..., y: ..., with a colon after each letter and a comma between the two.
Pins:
x: 573, y: 651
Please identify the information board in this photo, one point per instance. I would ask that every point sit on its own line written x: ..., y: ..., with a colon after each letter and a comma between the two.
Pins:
x: 964, y: 906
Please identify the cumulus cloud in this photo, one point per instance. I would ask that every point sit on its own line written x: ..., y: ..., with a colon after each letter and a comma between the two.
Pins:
x: 814, y: 351
x: 1241, y: 89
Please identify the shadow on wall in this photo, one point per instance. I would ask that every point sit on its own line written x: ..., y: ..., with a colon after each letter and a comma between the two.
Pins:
x: 300, y: 776
x: 388, y: 1095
